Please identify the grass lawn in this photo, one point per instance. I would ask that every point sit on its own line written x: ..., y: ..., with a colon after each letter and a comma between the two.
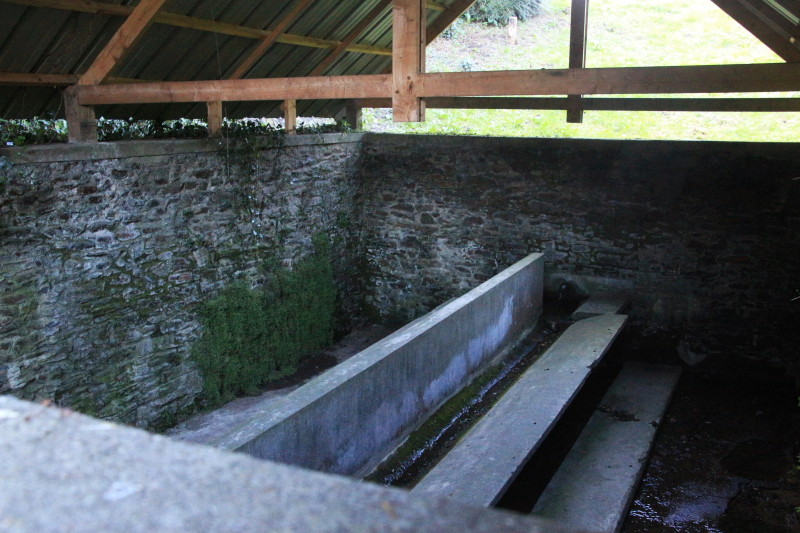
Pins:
x: 621, y: 33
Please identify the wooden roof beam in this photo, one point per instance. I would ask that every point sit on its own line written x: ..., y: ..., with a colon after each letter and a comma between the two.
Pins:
x: 765, y: 77
x: 455, y: 10
x: 408, y: 60
x: 199, y: 24
x: 267, y: 42
x: 558, y: 103
x: 791, y: 6
x: 365, y: 23
x: 123, y: 40
x: 778, y: 43
x: 774, y: 18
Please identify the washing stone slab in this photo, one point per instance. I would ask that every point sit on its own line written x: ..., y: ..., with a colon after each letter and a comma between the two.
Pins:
x: 594, y: 486
x: 601, y: 303
x: 482, y: 465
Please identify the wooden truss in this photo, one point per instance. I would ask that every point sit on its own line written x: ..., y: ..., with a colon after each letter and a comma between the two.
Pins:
x: 408, y: 89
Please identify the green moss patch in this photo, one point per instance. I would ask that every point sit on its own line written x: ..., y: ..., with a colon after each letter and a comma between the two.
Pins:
x: 254, y: 336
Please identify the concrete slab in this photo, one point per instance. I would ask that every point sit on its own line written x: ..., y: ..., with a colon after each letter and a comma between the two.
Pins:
x: 593, y: 488
x: 600, y: 304
x: 346, y: 420
x: 205, y: 428
x: 67, y: 472
x: 482, y: 465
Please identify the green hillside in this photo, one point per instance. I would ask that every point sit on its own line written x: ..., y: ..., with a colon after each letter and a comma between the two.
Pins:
x: 621, y: 33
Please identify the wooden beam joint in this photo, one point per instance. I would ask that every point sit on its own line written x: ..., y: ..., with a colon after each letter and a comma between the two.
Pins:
x: 408, y: 60
x: 81, y: 121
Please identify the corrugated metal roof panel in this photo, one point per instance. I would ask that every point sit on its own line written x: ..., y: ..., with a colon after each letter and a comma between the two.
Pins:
x: 60, y: 41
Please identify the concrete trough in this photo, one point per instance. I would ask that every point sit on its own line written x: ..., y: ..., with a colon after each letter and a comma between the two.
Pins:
x: 349, y: 418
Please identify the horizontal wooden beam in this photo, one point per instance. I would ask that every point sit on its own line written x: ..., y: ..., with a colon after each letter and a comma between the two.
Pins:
x: 767, y: 77
x: 199, y: 24
x: 312, y: 88
x: 602, y: 104
x: 35, y: 79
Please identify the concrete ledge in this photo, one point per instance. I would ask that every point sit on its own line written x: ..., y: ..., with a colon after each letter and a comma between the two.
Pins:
x: 67, y: 472
x: 52, y: 153
x: 600, y: 304
x: 595, y: 485
x: 486, y: 460
x: 347, y: 419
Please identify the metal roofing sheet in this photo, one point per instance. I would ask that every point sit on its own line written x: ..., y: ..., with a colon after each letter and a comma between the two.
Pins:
x: 45, y: 40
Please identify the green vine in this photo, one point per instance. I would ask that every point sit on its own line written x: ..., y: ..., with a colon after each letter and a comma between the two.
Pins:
x: 253, y: 337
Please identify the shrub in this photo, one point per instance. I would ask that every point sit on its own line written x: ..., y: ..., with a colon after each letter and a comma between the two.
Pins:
x: 253, y: 337
x: 497, y: 12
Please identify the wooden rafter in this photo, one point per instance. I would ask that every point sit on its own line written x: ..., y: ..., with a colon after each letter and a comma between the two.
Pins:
x: 199, y: 24
x: 792, y: 6
x: 779, y: 43
x: 766, y: 77
x: 408, y: 60
x: 337, y: 52
x: 267, y: 42
x: 455, y: 10
x: 773, y: 17
x: 123, y: 40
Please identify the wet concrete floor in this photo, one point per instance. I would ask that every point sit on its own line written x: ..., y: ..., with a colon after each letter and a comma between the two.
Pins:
x: 724, y: 460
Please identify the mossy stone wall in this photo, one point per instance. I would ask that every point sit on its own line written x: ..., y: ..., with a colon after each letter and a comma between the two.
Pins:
x: 109, y: 251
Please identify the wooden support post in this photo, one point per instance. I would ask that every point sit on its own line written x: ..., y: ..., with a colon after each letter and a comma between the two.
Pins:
x: 214, y: 119
x: 290, y: 116
x: 81, y: 122
x: 408, y: 60
x: 577, y: 54
x: 353, y: 115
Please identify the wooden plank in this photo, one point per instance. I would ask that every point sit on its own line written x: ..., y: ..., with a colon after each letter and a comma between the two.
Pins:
x: 35, y: 79
x: 290, y: 116
x: 765, y: 77
x: 579, y: 16
x: 624, y: 80
x: 603, y: 104
x: 81, y: 122
x: 267, y: 42
x: 123, y: 40
x: 312, y: 88
x: 337, y: 52
x: 408, y: 59
x: 199, y: 24
x: 779, y: 44
x: 215, y: 117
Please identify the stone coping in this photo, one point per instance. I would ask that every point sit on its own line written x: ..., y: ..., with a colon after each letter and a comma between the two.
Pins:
x: 63, y: 471
x: 52, y: 153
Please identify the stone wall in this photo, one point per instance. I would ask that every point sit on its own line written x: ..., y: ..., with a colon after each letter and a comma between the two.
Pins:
x: 106, y: 251
x: 703, y: 235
